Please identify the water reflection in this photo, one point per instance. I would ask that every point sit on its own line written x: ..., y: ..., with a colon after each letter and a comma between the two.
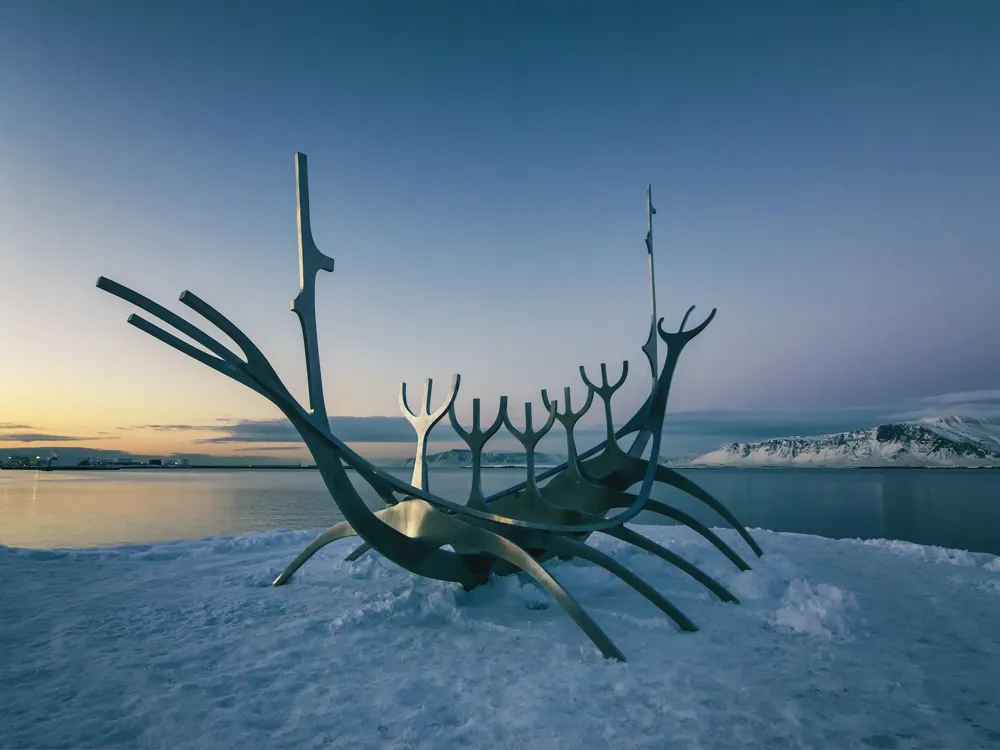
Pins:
x: 951, y: 508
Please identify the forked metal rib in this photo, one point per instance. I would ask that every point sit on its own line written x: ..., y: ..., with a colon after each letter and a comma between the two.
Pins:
x: 568, y: 420
x: 423, y: 422
x: 529, y: 439
x: 606, y: 391
x: 476, y: 438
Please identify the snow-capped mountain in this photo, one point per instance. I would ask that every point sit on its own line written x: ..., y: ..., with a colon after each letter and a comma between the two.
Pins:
x: 491, y: 459
x: 935, y: 441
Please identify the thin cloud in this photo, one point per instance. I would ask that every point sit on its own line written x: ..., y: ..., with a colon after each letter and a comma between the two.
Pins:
x: 984, y: 403
x: 172, y: 427
x: 40, y: 437
x: 254, y: 431
x: 269, y: 448
x: 991, y: 396
x: 12, y: 426
x: 348, y: 429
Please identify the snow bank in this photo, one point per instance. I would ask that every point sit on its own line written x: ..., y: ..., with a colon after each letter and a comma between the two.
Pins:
x: 184, y: 644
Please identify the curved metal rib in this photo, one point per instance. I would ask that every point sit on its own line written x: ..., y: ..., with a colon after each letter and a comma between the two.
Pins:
x: 255, y: 359
x: 682, y: 483
x: 358, y: 552
x: 654, y: 506
x: 566, y: 547
x: 337, y: 531
x: 419, y: 517
x: 638, y: 540
x: 516, y: 556
x: 217, y: 364
x: 171, y: 318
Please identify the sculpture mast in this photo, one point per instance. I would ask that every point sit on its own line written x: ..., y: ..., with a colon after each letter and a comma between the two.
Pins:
x: 311, y: 262
x: 650, y: 347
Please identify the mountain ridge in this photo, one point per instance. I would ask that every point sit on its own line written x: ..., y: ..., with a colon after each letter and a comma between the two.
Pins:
x: 953, y: 441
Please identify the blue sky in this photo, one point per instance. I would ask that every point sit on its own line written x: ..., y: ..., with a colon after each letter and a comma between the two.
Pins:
x: 826, y: 173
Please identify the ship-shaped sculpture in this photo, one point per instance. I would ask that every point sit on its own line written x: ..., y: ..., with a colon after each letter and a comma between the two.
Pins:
x: 515, y: 530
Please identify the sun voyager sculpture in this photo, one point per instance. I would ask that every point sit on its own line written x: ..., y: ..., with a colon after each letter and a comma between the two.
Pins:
x: 512, y: 531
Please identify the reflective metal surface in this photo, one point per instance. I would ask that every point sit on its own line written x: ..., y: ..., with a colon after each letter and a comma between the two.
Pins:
x: 514, y: 530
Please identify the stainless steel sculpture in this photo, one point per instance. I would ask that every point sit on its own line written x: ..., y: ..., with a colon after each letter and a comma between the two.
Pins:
x: 514, y: 530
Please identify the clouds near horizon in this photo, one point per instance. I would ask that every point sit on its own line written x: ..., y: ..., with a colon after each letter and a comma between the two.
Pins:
x: 23, y: 434
x: 42, y: 437
x: 684, y: 431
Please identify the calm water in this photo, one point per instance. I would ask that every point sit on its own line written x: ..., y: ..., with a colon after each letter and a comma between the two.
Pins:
x: 950, y: 508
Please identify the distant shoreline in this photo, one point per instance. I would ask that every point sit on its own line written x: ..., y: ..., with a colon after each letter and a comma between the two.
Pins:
x: 296, y: 467
x: 787, y: 467
x: 213, y: 467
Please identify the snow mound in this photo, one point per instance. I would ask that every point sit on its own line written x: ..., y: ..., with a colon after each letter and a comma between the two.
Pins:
x: 821, y: 611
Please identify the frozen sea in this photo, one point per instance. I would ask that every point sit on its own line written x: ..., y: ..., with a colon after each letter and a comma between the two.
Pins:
x: 170, y: 636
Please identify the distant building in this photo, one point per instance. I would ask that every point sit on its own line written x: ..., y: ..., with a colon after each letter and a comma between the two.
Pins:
x: 28, y: 462
x: 110, y: 463
x: 156, y: 462
x: 96, y: 462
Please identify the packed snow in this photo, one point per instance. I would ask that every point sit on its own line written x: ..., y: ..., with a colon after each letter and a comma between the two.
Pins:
x: 930, y: 442
x: 185, y: 644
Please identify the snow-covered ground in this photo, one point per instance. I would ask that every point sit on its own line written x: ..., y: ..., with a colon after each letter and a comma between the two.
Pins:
x: 185, y: 645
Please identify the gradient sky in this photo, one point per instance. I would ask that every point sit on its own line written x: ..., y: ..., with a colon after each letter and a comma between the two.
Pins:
x: 826, y: 173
